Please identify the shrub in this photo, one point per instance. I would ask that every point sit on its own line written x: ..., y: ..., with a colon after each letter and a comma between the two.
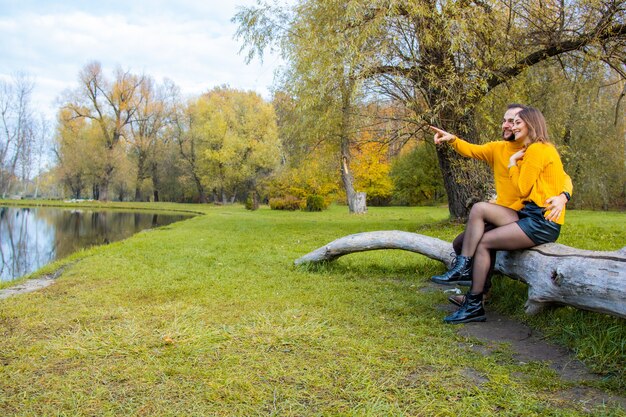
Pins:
x: 252, y: 203
x: 417, y: 178
x: 286, y: 203
x: 315, y: 202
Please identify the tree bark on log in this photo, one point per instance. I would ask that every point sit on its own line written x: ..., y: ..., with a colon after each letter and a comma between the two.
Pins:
x: 555, y: 274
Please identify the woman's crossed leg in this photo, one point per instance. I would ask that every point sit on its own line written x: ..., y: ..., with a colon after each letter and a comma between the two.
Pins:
x: 477, y: 243
x: 507, y: 237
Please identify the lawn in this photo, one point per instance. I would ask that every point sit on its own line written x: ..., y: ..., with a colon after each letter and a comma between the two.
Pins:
x: 209, y: 316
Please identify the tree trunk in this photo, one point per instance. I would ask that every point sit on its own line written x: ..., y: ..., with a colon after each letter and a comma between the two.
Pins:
x: 137, y: 191
x: 555, y: 274
x: 105, y: 182
x: 466, y: 181
x: 141, y: 158
x: 103, y: 191
x: 359, y: 204
x: 201, y: 193
x: 156, y: 183
x: 255, y: 200
x: 356, y: 201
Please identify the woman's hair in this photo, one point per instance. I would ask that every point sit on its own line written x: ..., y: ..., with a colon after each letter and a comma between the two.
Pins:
x: 536, y: 123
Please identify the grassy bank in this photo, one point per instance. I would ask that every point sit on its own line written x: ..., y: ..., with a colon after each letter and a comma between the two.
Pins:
x: 109, y: 205
x: 146, y: 207
x: 209, y: 317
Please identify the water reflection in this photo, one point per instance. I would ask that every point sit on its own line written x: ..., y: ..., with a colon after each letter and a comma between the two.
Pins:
x: 33, y: 237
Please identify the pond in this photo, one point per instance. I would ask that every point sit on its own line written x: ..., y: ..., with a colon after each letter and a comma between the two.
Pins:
x: 32, y: 237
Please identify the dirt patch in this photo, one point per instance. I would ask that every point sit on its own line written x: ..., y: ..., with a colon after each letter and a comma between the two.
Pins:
x: 31, y: 285
x: 473, y: 376
x: 530, y: 345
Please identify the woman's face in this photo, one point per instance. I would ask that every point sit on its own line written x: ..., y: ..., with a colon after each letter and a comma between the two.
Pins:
x: 520, y: 130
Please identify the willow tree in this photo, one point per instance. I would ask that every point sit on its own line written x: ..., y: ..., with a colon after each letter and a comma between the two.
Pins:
x: 322, y: 73
x: 440, y: 57
x: 78, y: 149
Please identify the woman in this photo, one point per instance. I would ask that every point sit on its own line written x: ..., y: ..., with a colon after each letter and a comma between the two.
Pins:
x: 537, y: 172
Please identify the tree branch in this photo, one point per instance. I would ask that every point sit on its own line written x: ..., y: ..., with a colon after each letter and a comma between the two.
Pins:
x: 504, y: 74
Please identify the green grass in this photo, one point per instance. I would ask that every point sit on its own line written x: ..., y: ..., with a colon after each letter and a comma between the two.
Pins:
x: 209, y: 316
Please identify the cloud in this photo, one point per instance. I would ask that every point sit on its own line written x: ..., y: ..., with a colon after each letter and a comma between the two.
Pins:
x: 190, y: 42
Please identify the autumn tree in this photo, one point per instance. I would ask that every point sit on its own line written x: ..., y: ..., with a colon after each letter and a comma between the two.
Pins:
x: 78, y: 149
x: 111, y: 106
x: 174, y: 181
x: 313, y: 174
x: 371, y: 170
x: 147, y: 127
x: 441, y: 58
x: 183, y: 131
x: 308, y: 163
x: 236, y: 141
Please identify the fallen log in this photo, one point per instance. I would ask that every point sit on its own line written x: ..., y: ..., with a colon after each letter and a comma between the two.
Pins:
x: 555, y: 274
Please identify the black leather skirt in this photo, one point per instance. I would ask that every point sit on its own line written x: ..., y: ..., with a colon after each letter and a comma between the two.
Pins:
x: 536, y: 227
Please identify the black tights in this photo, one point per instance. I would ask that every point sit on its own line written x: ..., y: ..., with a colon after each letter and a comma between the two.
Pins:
x: 480, y: 242
x: 457, y: 245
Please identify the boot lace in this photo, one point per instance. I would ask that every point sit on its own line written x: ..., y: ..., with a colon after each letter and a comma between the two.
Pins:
x: 454, y: 259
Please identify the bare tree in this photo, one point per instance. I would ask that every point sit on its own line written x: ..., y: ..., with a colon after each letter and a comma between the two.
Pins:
x: 19, y: 132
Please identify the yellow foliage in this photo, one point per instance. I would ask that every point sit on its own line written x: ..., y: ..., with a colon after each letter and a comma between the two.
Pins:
x: 237, y: 138
x: 316, y: 174
x: 370, y: 167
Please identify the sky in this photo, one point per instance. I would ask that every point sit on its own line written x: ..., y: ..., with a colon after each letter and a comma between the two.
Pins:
x: 190, y: 42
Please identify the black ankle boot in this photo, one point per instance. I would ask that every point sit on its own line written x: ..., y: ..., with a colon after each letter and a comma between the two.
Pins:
x: 471, y: 310
x: 459, y: 274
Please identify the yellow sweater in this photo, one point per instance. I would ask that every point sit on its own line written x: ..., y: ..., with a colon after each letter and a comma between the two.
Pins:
x: 497, y: 155
x: 539, y: 175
